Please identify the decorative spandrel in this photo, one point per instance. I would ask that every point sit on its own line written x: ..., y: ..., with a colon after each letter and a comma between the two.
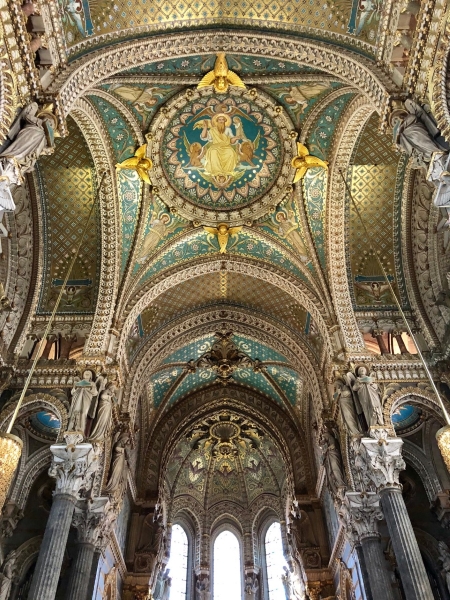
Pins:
x: 226, y: 157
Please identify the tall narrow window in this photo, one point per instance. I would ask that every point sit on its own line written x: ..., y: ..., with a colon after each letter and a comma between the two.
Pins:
x: 227, y: 567
x: 178, y: 563
x: 275, y: 562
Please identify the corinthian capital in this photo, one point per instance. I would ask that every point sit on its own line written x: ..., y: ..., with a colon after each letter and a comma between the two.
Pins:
x: 72, y: 466
x: 90, y: 518
x: 363, y: 513
x: 383, y: 458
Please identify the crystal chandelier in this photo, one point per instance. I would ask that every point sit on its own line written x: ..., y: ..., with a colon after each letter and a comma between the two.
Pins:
x: 10, y: 451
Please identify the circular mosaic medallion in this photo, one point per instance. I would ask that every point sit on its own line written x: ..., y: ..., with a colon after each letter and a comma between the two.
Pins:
x: 225, y: 157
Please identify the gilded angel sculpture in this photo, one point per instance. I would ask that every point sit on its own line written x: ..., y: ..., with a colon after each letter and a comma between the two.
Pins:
x: 139, y: 163
x: 305, y: 161
x: 223, y: 232
x: 221, y: 77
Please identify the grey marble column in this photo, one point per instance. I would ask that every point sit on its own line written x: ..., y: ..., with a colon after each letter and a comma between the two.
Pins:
x: 364, y: 572
x: 383, y: 461
x: 72, y: 467
x: 360, y: 512
x: 90, y: 520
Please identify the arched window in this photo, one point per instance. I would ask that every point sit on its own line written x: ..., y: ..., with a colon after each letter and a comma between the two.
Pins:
x: 275, y: 562
x: 178, y: 563
x: 227, y: 579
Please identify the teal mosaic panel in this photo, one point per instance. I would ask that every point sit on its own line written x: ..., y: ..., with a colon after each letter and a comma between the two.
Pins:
x: 161, y: 383
x: 193, y: 381
x: 315, y: 194
x: 191, y: 351
x: 288, y: 380
x: 142, y: 99
x: 257, y: 381
x: 299, y: 98
x: 199, y: 65
x: 256, y: 350
x: 321, y: 136
x: 129, y: 188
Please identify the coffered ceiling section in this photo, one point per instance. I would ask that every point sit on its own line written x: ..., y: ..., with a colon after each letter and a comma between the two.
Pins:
x: 91, y: 24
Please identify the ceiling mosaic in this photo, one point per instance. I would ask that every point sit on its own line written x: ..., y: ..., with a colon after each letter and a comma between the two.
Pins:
x: 92, y: 24
x: 226, y: 457
x: 66, y: 181
x: 229, y: 289
x: 375, y: 178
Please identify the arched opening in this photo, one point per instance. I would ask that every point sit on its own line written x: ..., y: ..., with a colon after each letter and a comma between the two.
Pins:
x: 178, y: 563
x: 227, y: 567
x: 275, y: 562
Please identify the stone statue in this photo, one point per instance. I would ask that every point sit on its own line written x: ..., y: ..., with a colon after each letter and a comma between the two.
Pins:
x: 444, y: 557
x: 302, y: 530
x: 368, y: 396
x: 119, y: 466
x: 251, y: 586
x: 102, y: 414
x: 32, y: 136
x: 202, y: 591
x: 415, y: 132
x: 292, y: 586
x: 349, y: 409
x: 82, y: 394
x: 332, y: 460
x: 162, y: 588
x: 7, y: 575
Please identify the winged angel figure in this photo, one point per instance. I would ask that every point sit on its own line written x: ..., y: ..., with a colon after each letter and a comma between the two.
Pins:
x: 368, y: 396
x: 228, y: 152
x: 304, y: 161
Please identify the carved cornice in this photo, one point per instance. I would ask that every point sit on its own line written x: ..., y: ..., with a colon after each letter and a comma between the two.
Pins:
x: 356, y: 115
x: 93, y: 130
x: 354, y: 69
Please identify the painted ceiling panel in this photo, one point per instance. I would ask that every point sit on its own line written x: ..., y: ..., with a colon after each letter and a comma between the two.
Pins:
x: 288, y: 380
x: 257, y: 381
x: 66, y: 181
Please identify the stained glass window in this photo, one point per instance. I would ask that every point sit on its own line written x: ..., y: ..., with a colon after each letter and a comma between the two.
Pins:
x: 178, y: 563
x: 275, y: 562
x: 227, y: 567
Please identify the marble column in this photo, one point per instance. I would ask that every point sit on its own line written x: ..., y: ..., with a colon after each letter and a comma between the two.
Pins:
x: 73, y: 464
x: 383, y: 462
x: 90, y: 519
x: 359, y: 513
x: 364, y: 571
x: 378, y: 335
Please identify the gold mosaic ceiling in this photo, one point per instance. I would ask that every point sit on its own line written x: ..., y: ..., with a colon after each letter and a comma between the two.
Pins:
x: 349, y: 22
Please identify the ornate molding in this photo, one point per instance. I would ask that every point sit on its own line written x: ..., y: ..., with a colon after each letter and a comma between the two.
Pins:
x: 73, y: 465
x: 356, y: 70
x: 353, y: 122
x: 35, y: 401
x: 95, y: 134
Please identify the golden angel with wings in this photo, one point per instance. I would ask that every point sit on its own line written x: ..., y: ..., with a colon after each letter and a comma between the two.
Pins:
x: 139, y: 163
x: 305, y: 161
x: 221, y: 77
x: 223, y: 233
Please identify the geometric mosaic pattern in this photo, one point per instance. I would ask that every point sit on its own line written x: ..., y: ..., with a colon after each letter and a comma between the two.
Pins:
x: 67, y: 184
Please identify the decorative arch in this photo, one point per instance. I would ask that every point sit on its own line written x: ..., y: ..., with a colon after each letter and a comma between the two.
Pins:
x: 422, y: 397
x: 93, y: 130
x: 36, y: 401
x: 354, y: 69
x: 356, y: 116
x: 289, y: 436
x: 424, y: 468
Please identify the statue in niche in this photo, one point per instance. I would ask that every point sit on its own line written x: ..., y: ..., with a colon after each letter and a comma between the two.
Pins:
x: 162, y: 587
x: 251, y: 586
x: 444, y: 557
x: 415, y: 132
x: 118, y: 471
x: 7, y: 575
x: 350, y: 407
x: 332, y: 460
x: 83, y: 392
x: 32, y: 136
x: 202, y: 588
x: 101, y: 412
x: 368, y: 394
x: 302, y: 531
x: 292, y: 585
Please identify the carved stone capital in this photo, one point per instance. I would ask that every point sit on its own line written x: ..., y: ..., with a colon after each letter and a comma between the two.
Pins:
x: 362, y: 513
x: 382, y: 458
x: 90, y: 519
x: 73, y: 467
